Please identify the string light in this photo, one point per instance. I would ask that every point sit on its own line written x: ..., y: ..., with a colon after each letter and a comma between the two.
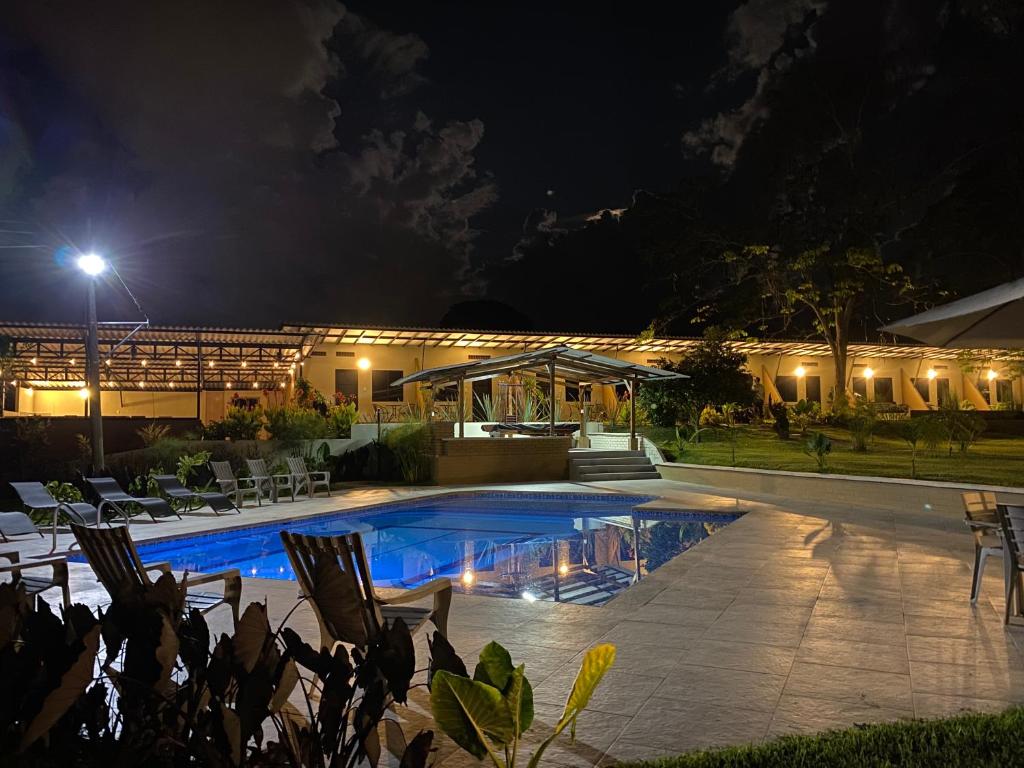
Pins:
x: 177, y: 363
x: 255, y: 385
x: 33, y: 361
x: 108, y: 361
x: 71, y: 361
x: 145, y: 363
x: 142, y: 384
x: 228, y: 385
x: 282, y: 385
x: 277, y: 365
x: 244, y: 364
x: 212, y: 363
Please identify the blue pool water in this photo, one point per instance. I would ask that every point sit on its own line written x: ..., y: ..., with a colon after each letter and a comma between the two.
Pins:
x: 570, y: 547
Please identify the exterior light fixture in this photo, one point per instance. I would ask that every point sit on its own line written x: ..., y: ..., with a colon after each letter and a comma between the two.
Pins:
x: 142, y: 384
x: 800, y: 372
x: 868, y: 373
x: 932, y: 373
x: 363, y: 363
x: 563, y: 569
x: 255, y: 385
x: 228, y: 385
x: 992, y: 375
x: 468, y: 577
x: 92, y: 264
x: 84, y: 393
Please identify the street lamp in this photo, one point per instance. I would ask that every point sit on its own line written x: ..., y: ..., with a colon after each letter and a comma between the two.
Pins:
x: 93, y: 265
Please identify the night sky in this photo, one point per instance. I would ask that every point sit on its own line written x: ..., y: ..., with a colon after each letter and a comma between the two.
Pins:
x: 248, y: 164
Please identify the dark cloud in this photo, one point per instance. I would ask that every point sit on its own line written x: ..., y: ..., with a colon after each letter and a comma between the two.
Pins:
x: 214, y: 145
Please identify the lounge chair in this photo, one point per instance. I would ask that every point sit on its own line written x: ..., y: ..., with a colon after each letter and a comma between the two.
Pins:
x: 35, y: 585
x: 36, y: 498
x: 16, y: 524
x: 173, y: 489
x: 358, y: 621
x: 273, y: 484
x: 110, y: 494
x: 1012, y: 521
x: 112, y: 556
x: 307, y: 481
x: 239, y: 487
x: 982, y: 519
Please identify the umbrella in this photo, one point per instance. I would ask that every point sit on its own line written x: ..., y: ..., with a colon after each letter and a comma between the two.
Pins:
x: 992, y: 318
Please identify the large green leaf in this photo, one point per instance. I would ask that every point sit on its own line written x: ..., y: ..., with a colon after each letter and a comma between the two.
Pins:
x: 596, y: 662
x: 251, y: 635
x: 519, y: 697
x: 471, y: 713
x: 72, y: 685
x: 495, y: 669
x: 495, y: 666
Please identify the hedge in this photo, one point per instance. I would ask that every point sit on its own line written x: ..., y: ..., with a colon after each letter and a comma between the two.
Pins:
x: 967, y: 740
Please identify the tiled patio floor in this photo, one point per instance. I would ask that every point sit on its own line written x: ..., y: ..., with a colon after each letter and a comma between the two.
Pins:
x: 796, y: 618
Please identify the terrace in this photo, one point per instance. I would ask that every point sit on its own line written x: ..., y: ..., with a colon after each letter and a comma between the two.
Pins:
x: 798, y: 617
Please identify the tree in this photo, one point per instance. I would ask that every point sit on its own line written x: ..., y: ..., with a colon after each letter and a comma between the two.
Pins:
x: 830, y: 282
x: 717, y: 376
x: 7, y: 357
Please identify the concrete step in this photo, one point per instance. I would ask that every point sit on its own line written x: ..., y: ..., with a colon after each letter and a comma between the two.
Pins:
x: 589, y: 462
x: 597, y: 477
x: 594, y: 453
x: 598, y: 469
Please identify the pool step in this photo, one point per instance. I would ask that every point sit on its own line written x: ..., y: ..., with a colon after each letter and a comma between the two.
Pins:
x: 593, y: 466
x: 594, y: 586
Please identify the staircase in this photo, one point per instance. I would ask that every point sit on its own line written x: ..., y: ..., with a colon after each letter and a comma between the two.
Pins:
x: 584, y: 586
x: 590, y: 465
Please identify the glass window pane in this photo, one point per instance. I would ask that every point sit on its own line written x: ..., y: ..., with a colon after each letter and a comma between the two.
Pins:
x: 883, y: 389
x: 812, y: 386
x: 787, y: 388
x: 383, y: 392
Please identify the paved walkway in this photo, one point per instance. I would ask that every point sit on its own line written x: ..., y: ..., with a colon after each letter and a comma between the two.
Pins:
x: 796, y: 618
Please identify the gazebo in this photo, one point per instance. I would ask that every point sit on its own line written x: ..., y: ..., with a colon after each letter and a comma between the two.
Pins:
x: 561, y: 362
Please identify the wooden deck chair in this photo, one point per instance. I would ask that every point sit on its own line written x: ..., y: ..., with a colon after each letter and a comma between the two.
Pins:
x: 110, y: 494
x: 1011, y: 519
x: 36, y: 585
x: 36, y: 498
x: 273, y: 484
x: 982, y: 519
x: 307, y: 481
x: 172, y: 488
x: 112, y: 556
x: 239, y: 487
x: 354, y: 614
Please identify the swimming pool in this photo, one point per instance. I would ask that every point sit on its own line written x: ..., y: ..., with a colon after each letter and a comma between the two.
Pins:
x: 571, y: 547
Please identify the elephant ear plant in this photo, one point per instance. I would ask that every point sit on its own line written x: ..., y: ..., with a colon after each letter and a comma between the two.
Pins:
x: 488, y: 714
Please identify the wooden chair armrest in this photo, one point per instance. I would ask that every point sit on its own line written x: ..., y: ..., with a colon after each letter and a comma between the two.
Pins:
x: 13, y: 556
x: 322, y: 472
x: 59, y: 565
x: 195, y: 579
x: 412, y: 595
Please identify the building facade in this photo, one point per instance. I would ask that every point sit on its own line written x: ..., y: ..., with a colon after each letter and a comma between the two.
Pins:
x: 199, y: 372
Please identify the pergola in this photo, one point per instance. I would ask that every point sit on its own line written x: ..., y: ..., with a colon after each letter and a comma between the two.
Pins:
x: 561, y: 362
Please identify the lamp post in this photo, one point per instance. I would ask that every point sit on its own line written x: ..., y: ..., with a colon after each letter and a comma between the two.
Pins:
x: 93, y: 266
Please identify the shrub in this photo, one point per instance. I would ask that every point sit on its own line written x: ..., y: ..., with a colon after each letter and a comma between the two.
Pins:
x: 291, y: 424
x: 340, y: 419
x: 153, y: 433
x: 717, y: 374
x: 158, y: 695
x: 65, y: 492
x: 488, y: 714
x: 961, y: 424
x: 780, y: 413
x: 410, y: 443
x: 958, y: 742
x: 242, y: 424
x: 818, y: 447
x: 861, y: 420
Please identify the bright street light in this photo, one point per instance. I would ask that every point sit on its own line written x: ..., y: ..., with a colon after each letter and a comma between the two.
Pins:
x: 92, y: 264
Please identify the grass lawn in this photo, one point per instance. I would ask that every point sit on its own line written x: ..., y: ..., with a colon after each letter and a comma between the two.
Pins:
x: 991, y: 460
x: 970, y: 740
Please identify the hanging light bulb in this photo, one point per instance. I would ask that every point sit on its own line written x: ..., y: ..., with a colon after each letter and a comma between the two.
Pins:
x: 228, y: 385
x: 244, y: 364
x: 142, y: 384
x: 33, y: 361
x: 145, y: 363
x: 177, y: 363
x: 255, y: 385
x: 282, y: 385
